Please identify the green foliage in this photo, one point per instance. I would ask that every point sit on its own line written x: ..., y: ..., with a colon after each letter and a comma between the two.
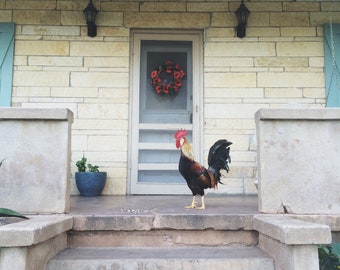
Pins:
x: 4, y: 212
x: 329, y: 257
x: 93, y: 168
x: 2, y: 161
x: 81, y: 164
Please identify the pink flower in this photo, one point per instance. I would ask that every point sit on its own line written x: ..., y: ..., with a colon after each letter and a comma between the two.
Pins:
x: 154, y: 74
x: 178, y: 83
x: 176, y: 75
x: 157, y: 89
x: 156, y: 80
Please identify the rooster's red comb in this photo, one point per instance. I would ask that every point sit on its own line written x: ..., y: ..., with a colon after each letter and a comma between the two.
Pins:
x: 180, y: 134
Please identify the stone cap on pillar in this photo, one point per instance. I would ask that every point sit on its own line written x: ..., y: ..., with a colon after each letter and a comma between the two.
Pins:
x: 298, y: 114
x: 36, y: 114
x: 292, y: 231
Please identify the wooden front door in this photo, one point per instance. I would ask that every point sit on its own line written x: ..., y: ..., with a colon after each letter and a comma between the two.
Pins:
x: 156, y: 114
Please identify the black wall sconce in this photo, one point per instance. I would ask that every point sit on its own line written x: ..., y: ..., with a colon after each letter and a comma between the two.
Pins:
x: 242, y: 14
x: 90, y: 13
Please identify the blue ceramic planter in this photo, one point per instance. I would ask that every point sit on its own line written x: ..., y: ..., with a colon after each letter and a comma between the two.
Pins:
x: 90, y: 183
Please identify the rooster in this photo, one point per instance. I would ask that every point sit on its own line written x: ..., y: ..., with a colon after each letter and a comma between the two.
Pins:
x: 199, y: 178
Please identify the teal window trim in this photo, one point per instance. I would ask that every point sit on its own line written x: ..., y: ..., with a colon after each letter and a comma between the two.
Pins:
x: 6, y: 63
x: 332, y: 62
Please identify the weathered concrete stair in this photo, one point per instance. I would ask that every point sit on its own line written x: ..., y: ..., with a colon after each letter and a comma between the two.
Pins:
x: 149, y: 240
x: 162, y: 258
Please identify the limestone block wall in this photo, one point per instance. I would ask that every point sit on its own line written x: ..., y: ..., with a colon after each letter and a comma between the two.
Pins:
x: 279, y: 62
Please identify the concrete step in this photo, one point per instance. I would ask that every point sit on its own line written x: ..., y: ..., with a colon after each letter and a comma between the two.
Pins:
x: 162, y: 238
x: 193, y: 257
x: 163, y: 230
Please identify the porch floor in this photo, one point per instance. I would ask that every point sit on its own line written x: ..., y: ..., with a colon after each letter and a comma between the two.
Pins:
x: 163, y: 204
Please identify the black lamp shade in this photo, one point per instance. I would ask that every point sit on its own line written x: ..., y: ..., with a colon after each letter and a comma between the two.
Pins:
x: 90, y: 13
x: 242, y: 14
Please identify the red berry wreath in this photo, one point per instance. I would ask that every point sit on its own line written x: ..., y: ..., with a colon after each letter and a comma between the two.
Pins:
x: 167, y: 79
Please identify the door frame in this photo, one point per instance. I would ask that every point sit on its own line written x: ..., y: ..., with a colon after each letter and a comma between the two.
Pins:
x: 196, y: 37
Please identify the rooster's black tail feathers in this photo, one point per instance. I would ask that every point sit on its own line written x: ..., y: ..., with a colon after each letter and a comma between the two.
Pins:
x: 219, y: 158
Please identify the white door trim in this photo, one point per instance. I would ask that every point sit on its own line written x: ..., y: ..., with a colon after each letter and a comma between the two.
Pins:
x: 137, y: 36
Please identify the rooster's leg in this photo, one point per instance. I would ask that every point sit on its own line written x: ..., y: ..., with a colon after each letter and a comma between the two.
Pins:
x: 193, y: 204
x: 203, y: 204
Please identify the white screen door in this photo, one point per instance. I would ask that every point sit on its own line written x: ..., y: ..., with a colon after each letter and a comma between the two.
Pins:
x: 155, y: 117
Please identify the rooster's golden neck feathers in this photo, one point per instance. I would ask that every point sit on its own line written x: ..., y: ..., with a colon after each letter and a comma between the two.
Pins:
x: 186, y: 148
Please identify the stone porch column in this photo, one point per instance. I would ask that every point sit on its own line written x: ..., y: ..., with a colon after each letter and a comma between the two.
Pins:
x: 36, y: 145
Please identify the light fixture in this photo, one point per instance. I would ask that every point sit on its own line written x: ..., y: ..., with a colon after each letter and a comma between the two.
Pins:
x: 90, y: 13
x: 242, y: 14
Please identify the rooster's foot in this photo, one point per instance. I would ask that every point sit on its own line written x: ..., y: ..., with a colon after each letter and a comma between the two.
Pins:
x: 193, y: 204
x: 202, y: 207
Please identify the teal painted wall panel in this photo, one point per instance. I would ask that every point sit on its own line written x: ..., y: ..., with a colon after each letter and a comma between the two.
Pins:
x: 332, y: 67
x: 6, y: 63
